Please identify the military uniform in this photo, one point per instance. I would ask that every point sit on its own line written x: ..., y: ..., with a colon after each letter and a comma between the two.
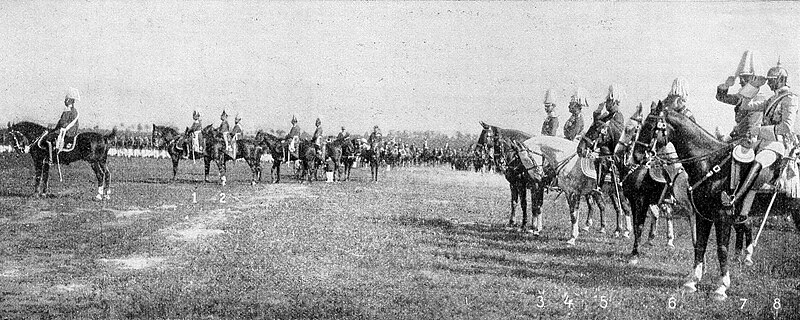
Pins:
x: 197, y: 133
x: 343, y: 135
x: 550, y: 126
x: 225, y: 130
x: 375, y: 138
x: 574, y: 126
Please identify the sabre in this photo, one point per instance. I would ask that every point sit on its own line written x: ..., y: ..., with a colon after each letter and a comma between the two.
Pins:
x: 58, y: 164
x: 772, y: 201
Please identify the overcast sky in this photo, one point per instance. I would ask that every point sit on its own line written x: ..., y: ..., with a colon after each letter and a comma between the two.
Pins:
x: 403, y: 66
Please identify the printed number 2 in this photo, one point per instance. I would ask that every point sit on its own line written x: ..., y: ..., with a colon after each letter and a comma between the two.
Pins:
x: 567, y: 300
x: 743, y: 300
x: 540, y: 304
x: 671, y: 303
x: 222, y: 197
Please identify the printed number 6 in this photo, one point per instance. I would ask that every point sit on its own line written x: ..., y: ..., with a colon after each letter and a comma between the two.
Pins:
x: 671, y: 303
x: 541, y: 301
x: 603, y: 302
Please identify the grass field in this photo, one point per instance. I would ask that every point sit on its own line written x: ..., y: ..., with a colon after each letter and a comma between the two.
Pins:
x: 423, y: 243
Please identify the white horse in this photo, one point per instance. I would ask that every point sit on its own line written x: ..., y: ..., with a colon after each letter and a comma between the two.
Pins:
x: 572, y: 179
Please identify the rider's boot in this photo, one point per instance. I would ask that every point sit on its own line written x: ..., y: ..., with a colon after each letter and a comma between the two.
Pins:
x: 50, y: 152
x: 729, y: 201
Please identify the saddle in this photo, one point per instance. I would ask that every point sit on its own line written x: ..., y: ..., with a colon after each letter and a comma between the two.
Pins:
x: 588, y: 169
x: 69, y: 146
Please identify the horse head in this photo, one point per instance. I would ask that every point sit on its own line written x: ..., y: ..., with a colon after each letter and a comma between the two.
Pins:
x: 655, y: 132
x: 24, y: 133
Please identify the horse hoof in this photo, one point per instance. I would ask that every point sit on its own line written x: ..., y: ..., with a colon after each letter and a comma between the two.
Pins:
x: 98, y: 197
x: 748, y: 261
x: 690, y: 287
x: 633, y: 261
x: 670, y: 244
x: 616, y: 234
x: 719, y: 294
x: 571, y: 241
x: 602, y: 230
x: 536, y: 233
x: 626, y: 235
x: 585, y: 228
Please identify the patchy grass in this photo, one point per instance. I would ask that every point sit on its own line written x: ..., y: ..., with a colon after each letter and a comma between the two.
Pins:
x: 423, y: 243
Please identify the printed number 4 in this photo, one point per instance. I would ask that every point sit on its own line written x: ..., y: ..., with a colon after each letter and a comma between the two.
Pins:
x: 567, y: 300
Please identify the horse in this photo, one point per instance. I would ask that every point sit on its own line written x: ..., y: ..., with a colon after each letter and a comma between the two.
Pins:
x: 178, y: 145
x: 563, y: 166
x: 340, y: 151
x: 91, y: 147
x: 372, y: 154
x: 506, y: 146
x: 276, y: 150
x: 309, y: 158
x: 707, y: 162
x: 247, y: 149
x: 349, y: 156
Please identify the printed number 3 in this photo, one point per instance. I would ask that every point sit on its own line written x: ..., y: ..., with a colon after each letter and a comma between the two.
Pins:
x: 540, y: 304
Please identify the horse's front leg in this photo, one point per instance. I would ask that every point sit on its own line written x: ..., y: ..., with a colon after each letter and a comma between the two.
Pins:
x: 98, y: 172
x: 206, y: 168
x: 723, y: 233
x: 523, y: 204
x: 655, y: 212
x: 45, y: 178
x: 639, y: 210
x: 537, y: 199
x: 37, y: 177
x: 703, y: 229
x: 574, y: 201
x: 589, y: 214
x: 601, y: 206
x: 222, y: 170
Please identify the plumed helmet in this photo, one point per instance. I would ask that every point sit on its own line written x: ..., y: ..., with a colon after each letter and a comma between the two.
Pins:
x: 637, y: 116
x: 748, y: 65
x: 318, y: 122
x: 195, y: 115
x: 294, y: 119
x: 73, y: 94
x: 777, y: 71
x: 224, y: 114
x: 237, y: 118
x: 548, y: 97
x: 376, y: 127
x: 614, y: 93
x: 342, y: 128
x: 678, y: 88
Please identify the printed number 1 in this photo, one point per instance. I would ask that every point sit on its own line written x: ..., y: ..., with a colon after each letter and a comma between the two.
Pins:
x: 743, y: 300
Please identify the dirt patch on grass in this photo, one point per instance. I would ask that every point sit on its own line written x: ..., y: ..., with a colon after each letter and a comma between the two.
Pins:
x: 199, y: 227
x: 121, y: 214
x: 135, y: 262
x: 41, y: 216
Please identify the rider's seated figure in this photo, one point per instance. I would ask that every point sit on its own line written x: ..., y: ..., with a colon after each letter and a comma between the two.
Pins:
x: 573, y: 128
x: 774, y: 136
x: 609, y: 113
x: 196, y: 132
x: 550, y: 125
x: 318, y: 138
x: 745, y: 118
x: 225, y: 130
x: 67, y: 126
x: 376, y: 139
x: 293, y: 137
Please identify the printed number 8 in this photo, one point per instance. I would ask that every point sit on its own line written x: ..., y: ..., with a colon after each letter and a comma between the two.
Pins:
x: 776, y: 304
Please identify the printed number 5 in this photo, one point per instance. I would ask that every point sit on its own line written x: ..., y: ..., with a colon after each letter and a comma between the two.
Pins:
x: 603, y: 302
x: 540, y: 304
x: 671, y: 303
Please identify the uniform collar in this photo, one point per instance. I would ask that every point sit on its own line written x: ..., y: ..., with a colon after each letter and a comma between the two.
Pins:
x: 782, y: 90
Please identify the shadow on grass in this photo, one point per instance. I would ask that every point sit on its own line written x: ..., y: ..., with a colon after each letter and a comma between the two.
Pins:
x: 591, y: 268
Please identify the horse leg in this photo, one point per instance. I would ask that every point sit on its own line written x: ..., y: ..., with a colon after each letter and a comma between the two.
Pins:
x: 655, y: 212
x: 514, y: 200
x: 107, y: 180
x: 589, y: 214
x: 175, y: 160
x: 723, y: 233
x: 748, y: 235
x: 37, y: 177
x: 98, y: 172
x: 601, y: 206
x: 703, y: 229
x: 45, y: 177
x: 206, y: 168
x: 523, y: 203
x: 639, y: 211
x: 537, y: 197
x: 222, y: 170
x: 574, y: 206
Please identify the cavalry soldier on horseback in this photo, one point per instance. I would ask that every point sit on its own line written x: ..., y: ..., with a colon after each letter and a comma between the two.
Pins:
x: 317, y: 137
x: 237, y: 132
x: 775, y: 134
x: 196, y: 131
x: 573, y: 128
x: 293, y: 138
x: 67, y: 125
x: 376, y: 139
x: 612, y: 117
x: 744, y: 118
x: 550, y: 125
x: 225, y: 129
x: 344, y: 134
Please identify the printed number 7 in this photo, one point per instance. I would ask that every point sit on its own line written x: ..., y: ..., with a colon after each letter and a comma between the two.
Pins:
x: 743, y: 300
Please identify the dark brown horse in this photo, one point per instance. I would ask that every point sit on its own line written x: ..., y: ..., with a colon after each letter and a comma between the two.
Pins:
x: 91, y: 147
x: 372, y: 154
x: 708, y: 163
x: 178, y: 145
x: 506, y: 145
x: 276, y: 150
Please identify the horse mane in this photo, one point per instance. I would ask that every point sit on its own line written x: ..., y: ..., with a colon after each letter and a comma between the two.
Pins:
x: 512, y: 134
x: 695, y: 128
